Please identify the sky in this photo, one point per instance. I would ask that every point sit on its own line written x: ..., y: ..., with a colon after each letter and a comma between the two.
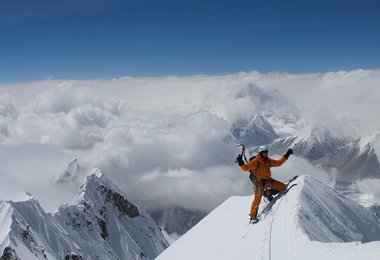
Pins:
x: 101, y: 39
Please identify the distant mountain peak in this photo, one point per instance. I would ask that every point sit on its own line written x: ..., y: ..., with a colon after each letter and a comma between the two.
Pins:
x: 90, y: 189
x: 99, y: 189
x: 260, y: 122
x: 254, y: 132
x: 313, y: 143
x: 369, y: 141
x: 357, y: 160
x: 315, y: 134
x: 75, y: 173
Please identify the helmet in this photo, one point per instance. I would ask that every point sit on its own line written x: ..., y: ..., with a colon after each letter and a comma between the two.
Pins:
x: 263, y: 148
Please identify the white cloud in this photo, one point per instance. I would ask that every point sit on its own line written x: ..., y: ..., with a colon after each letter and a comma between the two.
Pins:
x: 201, y: 190
x: 369, y: 186
x: 33, y: 168
x: 296, y: 166
x: 166, y: 140
x: 333, y: 98
x: 8, y: 114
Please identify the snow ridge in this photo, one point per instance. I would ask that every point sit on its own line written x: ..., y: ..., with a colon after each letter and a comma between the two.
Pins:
x: 298, y: 227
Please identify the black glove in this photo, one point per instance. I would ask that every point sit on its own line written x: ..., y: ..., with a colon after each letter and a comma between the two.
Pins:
x: 288, y: 153
x: 239, y: 160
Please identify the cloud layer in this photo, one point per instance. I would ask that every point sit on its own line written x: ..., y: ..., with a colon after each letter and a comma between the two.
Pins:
x: 166, y: 141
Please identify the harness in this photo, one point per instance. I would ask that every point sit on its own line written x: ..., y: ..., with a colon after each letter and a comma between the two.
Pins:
x: 255, y: 180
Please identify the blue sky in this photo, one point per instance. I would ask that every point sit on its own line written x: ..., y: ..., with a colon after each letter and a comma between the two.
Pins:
x: 88, y: 39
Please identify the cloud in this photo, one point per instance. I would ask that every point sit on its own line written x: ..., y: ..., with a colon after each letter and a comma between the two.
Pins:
x: 33, y: 168
x: 8, y: 114
x: 194, y: 141
x: 165, y: 141
x: 334, y: 99
x: 7, y: 106
x: 300, y: 166
x: 61, y: 98
x: 369, y: 186
x: 191, y: 189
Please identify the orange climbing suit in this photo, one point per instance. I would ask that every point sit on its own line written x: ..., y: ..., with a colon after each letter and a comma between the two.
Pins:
x: 261, y: 167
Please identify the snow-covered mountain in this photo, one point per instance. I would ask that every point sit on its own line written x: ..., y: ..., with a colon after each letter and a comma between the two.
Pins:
x: 74, y: 173
x: 254, y: 132
x: 271, y: 103
x: 314, y: 144
x: 357, y: 160
x: 353, y: 159
x: 32, y: 232
x: 102, y: 225
x: 311, y: 221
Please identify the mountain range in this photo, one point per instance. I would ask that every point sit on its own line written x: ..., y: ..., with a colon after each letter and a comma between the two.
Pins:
x: 352, y: 158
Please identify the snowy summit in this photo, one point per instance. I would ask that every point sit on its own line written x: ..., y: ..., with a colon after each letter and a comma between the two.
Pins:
x: 310, y: 222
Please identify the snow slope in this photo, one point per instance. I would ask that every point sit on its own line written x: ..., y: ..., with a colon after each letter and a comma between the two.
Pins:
x: 6, y: 211
x: 311, y: 222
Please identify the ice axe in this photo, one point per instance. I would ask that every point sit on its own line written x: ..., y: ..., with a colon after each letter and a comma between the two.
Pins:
x: 242, y: 152
x: 294, y: 146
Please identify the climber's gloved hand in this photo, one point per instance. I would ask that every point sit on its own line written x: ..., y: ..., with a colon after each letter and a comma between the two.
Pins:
x: 239, y: 160
x: 288, y: 153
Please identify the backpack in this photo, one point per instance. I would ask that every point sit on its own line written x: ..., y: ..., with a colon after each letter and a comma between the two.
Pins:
x: 252, y: 176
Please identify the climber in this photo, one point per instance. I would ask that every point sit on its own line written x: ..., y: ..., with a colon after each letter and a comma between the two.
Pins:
x: 263, y: 181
